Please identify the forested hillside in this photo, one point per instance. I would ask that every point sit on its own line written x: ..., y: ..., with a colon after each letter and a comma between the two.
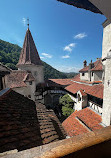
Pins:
x: 9, y: 55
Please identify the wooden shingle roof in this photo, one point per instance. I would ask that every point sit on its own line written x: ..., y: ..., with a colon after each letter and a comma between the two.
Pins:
x: 29, y: 54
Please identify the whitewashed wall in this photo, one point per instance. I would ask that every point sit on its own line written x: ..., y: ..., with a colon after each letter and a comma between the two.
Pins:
x: 85, y: 77
x: 106, y: 46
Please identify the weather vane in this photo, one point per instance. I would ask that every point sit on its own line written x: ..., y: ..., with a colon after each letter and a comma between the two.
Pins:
x: 28, y: 22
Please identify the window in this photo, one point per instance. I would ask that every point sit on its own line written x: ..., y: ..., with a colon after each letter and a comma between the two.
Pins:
x: 83, y: 74
x: 79, y: 98
x: 29, y: 96
x: 92, y: 73
x: 30, y: 83
x: 35, y: 73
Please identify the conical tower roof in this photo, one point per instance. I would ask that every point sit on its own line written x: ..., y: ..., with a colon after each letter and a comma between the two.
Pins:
x: 29, y: 54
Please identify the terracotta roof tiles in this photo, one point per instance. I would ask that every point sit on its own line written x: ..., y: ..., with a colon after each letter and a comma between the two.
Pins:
x: 94, y: 90
x: 82, y: 121
x: 17, y: 78
x: 24, y: 125
x: 97, y: 66
x: 63, y: 82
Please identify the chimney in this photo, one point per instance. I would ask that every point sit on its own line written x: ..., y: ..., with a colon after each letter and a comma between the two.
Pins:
x: 91, y: 65
x: 85, y: 63
x: 98, y: 59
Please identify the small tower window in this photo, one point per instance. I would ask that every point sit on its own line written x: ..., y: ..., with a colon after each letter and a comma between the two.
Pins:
x: 35, y: 73
x: 30, y: 83
x: 79, y: 98
x: 83, y: 74
x: 92, y: 73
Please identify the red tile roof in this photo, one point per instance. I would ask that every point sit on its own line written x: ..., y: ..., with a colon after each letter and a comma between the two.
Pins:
x: 17, y: 78
x: 94, y: 90
x: 29, y: 53
x: 97, y: 66
x: 90, y: 120
x: 63, y: 82
x: 76, y: 78
x: 24, y: 124
x: 84, y: 69
x: 19, y: 127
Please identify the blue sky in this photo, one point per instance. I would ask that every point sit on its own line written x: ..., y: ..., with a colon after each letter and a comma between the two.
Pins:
x: 65, y: 36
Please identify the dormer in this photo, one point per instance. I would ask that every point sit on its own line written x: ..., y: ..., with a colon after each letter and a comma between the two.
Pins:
x: 92, y: 72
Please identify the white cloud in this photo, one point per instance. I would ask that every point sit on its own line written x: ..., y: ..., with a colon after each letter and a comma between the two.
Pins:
x: 47, y: 55
x: 42, y: 57
x: 24, y: 21
x: 80, y: 36
x: 69, y: 47
x: 65, y: 56
x: 68, y: 69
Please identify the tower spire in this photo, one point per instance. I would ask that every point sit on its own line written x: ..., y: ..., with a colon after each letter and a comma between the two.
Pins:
x: 28, y: 22
x: 29, y: 54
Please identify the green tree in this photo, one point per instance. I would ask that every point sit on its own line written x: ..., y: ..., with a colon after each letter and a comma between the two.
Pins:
x: 11, y: 65
x: 67, y: 105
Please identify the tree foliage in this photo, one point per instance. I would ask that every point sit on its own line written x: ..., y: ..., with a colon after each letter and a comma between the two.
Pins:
x: 9, y: 55
x: 67, y: 105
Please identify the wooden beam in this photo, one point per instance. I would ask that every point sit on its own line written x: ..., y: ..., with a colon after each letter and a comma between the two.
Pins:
x: 78, y: 143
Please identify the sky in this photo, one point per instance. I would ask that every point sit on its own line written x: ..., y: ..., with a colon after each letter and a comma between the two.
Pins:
x: 64, y: 35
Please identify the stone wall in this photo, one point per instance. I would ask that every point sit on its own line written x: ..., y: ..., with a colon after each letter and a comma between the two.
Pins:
x: 106, y: 46
x: 97, y: 75
x: 27, y: 91
x: 106, y: 117
x: 85, y: 77
x: 37, y: 72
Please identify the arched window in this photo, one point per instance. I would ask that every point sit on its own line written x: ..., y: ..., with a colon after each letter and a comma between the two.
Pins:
x: 79, y: 98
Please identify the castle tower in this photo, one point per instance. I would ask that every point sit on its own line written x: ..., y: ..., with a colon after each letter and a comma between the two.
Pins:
x: 106, y: 56
x: 29, y: 59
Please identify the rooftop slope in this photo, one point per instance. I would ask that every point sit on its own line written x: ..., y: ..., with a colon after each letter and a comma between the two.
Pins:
x: 97, y: 66
x: 82, y: 121
x: 17, y: 78
x: 24, y: 125
x: 94, y: 90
